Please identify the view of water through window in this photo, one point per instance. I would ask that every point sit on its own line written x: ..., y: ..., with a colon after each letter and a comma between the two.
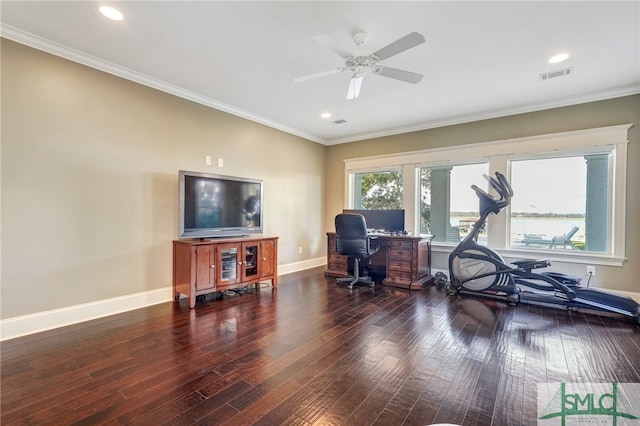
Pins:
x: 549, y: 206
x: 553, y: 197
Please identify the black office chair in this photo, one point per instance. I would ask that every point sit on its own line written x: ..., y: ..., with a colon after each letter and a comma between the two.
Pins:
x: 352, y: 240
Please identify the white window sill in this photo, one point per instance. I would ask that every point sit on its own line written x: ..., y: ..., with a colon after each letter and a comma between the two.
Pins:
x: 568, y: 256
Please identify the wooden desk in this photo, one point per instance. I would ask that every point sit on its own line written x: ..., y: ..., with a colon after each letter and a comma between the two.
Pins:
x: 405, y: 261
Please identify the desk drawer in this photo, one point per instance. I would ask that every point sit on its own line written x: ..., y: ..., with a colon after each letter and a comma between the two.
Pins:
x: 337, y: 257
x: 399, y: 265
x: 400, y: 253
x: 401, y: 244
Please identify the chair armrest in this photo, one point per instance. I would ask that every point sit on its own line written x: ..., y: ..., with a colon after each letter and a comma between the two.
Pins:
x: 373, y: 244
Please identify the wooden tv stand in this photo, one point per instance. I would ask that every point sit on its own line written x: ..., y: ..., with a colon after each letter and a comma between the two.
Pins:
x: 207, y: 266
x: 405, y: 261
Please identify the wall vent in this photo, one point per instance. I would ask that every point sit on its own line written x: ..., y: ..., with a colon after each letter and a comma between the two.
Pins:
x: 341, y: 121
x: 555, y: 74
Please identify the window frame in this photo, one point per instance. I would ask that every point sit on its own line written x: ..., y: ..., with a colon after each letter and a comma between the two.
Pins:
x: 499, y: 154
x: 352, y: 176
x: 605, y: 149
x: 452, y: 165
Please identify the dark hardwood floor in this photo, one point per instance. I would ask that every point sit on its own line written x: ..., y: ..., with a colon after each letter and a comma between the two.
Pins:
x: 312, y: 353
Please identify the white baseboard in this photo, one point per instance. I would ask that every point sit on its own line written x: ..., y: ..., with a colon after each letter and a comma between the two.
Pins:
x: 47, y: 320
x: 23, y: 325
x: 301, y: 266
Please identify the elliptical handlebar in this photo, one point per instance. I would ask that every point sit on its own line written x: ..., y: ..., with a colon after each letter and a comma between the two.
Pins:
x: 495, y: 185
x: 501, y: 186
x: 505, y: 185
x: 488, y: 203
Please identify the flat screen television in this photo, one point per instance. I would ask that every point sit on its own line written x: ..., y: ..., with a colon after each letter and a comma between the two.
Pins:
x: 382, y: 220
x: 213, y: 206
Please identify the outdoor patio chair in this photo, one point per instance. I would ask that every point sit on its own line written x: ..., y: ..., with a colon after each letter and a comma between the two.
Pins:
x: 563, y: 241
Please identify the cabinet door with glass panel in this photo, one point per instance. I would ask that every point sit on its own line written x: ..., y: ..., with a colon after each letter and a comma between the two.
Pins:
x: 229, y: 256
x: 251, y: 262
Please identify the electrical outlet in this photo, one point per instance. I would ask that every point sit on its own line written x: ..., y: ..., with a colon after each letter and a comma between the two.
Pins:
x: 300, y: 250
x: 591, y: 270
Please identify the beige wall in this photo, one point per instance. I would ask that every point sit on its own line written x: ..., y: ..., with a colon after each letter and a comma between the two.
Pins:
x: 89, y: 181
x: 590, y: 115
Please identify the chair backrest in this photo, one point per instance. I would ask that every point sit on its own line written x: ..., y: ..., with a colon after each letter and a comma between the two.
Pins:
x: 351, y: 235
x: 453, y: 235
x: 571, y: 233
x: 566, y: 238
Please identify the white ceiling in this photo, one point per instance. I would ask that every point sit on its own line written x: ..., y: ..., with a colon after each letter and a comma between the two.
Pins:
x: 480, y: 60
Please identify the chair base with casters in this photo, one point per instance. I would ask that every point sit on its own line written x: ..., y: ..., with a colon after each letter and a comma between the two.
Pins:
x: 356, y: 279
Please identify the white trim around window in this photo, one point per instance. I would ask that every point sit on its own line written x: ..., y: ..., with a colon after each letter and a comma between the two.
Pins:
x: 612, y: 139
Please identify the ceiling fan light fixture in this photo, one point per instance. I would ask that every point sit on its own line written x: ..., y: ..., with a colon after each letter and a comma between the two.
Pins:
x: 360, y: 38
x: 359, y: 72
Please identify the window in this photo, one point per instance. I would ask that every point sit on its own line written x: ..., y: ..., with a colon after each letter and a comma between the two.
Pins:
x: 448, y: 207
x: 378, y: 190
x: 561, y: 181
x: 561, y: 203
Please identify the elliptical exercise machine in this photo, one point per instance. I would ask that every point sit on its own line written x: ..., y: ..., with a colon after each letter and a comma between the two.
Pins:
x: 479, y: 270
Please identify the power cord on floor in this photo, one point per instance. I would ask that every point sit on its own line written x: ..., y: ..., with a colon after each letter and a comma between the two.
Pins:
x: 246, y: 289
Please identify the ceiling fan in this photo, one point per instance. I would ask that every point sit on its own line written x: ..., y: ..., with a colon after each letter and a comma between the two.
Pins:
x: 362, y: 62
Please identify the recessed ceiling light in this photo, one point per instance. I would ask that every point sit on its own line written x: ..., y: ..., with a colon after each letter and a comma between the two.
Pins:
x: 325, y: 115
x: 558, y: 58
x: 111, y: 13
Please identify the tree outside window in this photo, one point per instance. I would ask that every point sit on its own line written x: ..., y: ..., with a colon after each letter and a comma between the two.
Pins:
x: 378, y: 190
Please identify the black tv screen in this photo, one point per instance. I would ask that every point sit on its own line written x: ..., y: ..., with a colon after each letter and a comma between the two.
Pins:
x: 381, y: 220
x: 218, y: 206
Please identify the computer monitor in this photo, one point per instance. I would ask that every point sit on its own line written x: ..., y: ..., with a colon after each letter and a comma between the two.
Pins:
x: 382, y: 220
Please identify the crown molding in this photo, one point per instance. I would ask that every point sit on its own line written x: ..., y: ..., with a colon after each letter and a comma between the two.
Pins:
x: 505, y: 112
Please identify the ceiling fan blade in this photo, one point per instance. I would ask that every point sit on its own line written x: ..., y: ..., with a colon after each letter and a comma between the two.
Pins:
x: 331, y: 44
x: 318, y: 75
x: 408, y: 76
x: 354, y: 87
x: 405, y: 43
